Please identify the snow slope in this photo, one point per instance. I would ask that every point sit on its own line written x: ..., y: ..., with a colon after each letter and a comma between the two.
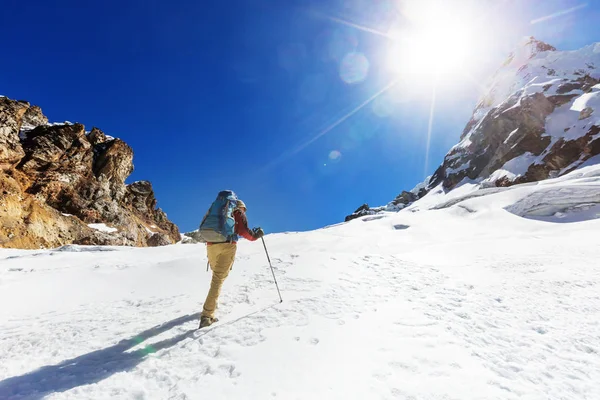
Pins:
x: 461, y: 299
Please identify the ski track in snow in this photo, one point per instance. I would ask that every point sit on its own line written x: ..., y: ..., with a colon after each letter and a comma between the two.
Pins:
x: 476, y: 305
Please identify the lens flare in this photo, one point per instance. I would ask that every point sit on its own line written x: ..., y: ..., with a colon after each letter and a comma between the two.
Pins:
x: 285, y: 155
x: 558, y: 14
x: 335, y: 155
x: 354, y: 68
x: 429, y: 129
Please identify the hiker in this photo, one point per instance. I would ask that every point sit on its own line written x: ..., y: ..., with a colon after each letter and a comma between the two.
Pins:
x: 221, y: 256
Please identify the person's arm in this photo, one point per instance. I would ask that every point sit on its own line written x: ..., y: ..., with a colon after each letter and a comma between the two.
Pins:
x: 241, y: 226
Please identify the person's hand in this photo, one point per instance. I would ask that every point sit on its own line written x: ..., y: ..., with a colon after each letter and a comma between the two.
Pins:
x: 258, y: 233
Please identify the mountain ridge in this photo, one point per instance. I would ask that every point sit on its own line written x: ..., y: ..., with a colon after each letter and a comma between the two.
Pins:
x: 538, y: 119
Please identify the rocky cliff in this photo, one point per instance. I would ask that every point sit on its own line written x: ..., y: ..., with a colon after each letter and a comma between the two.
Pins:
x: 540, y: 118
x: 62, y: 185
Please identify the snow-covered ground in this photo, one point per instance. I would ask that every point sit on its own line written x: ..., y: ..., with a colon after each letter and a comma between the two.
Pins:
x: 460, y: 296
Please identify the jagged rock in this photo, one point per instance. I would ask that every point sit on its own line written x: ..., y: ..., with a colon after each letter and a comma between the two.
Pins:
x: 159, y: 239
x: 405, y: 198
x: 113, y: 164
x: 586, y: 113
x: 63, y: 148
x: 360, y: 212
x: 141, y: 197
x: 503, y: 134
x: 163, y: 222
x: 191, y: 237
x: 538, y: 46
x: 11, y: 119
x: 33, y: 118
x: 422, y: 191
x: 559, y: 100
x: 57, y: 180
x: 568, y: 87
x: 562, y: 155
x: 364, y: 207
x: 96, y: 136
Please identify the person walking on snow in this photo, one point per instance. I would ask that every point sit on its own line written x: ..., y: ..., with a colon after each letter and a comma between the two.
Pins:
x: 221, y: 257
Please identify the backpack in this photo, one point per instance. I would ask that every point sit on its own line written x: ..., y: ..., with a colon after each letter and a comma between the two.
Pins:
x: 218, y: 225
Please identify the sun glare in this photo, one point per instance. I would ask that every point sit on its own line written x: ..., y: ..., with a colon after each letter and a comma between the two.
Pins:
x: 433, y: 40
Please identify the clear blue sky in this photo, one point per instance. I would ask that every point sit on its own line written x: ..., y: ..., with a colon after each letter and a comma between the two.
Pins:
x: 251, y: 95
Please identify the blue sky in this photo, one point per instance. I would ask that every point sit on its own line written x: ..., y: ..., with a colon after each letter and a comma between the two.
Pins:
x: 264, y: 96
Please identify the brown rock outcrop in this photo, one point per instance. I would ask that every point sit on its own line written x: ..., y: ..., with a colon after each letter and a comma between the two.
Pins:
x: 56, y: 181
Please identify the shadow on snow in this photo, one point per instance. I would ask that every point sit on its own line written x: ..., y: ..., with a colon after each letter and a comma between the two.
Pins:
x: 91, y: 367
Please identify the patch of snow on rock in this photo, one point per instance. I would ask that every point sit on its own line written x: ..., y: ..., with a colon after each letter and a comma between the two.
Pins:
x: 103, y: 228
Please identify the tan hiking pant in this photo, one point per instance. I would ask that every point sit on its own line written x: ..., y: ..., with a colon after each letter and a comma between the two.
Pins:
x: 220, y: 258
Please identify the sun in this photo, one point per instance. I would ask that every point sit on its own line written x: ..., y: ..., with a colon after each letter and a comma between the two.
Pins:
x: 433, y: 40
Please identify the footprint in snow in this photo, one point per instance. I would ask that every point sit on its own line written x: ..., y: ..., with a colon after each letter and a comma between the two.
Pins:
x: 230, y: 370
x: 400, y: 227
x: 373, y: 218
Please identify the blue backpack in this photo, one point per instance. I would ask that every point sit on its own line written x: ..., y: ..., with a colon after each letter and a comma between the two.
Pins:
x: 218, y: 225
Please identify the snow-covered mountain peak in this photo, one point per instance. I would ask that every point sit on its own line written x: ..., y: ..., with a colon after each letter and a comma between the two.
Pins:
x: 539, y: 117
x: 533, y: 110
x: 535, y: 60
x: 526, y: 49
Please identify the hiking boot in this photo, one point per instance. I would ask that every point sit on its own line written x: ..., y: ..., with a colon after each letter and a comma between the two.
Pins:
x: 207, y: 321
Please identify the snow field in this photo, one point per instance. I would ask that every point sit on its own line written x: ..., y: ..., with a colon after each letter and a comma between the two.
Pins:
x: 467, y: 301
